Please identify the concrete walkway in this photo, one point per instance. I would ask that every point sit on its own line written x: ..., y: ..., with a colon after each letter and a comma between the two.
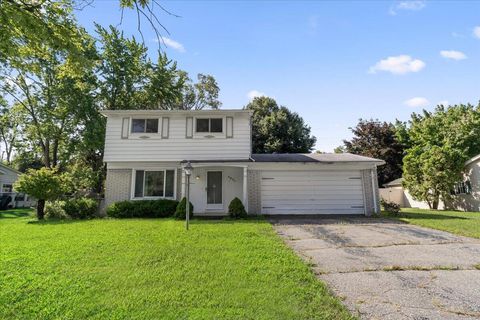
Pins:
x: 383, y: 269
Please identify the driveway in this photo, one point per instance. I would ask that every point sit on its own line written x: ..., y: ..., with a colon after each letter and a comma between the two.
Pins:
x: 383, y: 269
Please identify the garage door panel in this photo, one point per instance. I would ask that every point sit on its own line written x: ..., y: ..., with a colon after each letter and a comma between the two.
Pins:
x: 312, y: 192
x: 308, y: 188
x: 313, y: 184
x: 302, y: 211
x: 320, y: 197
x: 312, y: 204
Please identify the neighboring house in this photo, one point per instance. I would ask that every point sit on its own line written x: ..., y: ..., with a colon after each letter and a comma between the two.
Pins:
x: 145, y: 151
x: 466, y: 194
x: 8, y: 176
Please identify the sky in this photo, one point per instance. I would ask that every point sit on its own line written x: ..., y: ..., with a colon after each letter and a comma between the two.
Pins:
x: 331, y: 62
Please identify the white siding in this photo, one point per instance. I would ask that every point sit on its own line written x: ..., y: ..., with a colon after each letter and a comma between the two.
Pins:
x: 312, y: 192
x: 151, y: 147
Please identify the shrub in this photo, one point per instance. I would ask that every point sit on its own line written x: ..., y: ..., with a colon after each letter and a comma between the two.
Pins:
x: 43, y: 184
x: 389, y: 206
x: 55, y: 210
x: 181, y: 211
x: 236, y: 209
x: 81, y: 208
x: 142, y: 209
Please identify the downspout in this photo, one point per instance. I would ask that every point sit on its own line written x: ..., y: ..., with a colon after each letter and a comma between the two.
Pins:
x: 375, y: 209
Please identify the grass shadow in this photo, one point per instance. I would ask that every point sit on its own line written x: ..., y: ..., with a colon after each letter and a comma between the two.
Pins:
x: 429, y: 216
x: 16, y: 213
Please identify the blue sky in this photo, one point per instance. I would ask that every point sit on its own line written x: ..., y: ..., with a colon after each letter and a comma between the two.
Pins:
x: 332, y: 62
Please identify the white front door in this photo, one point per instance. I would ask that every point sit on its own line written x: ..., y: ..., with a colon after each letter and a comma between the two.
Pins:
x: 215, y: 190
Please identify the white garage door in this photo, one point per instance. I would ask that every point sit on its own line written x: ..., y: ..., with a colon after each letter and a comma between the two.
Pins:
x: 312, y: 192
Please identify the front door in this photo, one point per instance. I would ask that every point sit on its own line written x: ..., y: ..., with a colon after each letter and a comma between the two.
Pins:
x: 214, y: 190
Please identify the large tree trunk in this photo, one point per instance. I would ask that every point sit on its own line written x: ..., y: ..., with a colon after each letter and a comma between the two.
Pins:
x: 435, y: 204
x: 41, y: 209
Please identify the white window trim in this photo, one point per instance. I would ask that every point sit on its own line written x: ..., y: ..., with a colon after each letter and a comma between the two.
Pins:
x: 134, y: 176
x: 3, y: 190
x: 145, y: 135
x: 209, y: 135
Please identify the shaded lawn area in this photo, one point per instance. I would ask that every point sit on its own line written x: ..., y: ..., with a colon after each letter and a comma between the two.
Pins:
x: 154, y: 269
x: 458, y: 222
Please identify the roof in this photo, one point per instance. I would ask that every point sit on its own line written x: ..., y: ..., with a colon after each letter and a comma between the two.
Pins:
x: 160, y: 112
x: 3, y: 166
x: 394, y: 183
x: 472, y: 160
x: 313, y: 157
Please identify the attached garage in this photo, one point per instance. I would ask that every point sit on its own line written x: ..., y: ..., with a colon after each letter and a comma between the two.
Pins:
x: 312, y: 192
x: 290, y: 184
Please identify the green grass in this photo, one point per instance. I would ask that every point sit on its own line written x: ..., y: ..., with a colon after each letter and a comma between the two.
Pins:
x: 458, y: 222
x: 154, y: 269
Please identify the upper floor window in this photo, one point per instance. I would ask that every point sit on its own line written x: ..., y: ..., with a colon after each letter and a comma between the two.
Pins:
x: 7, y: 187
x: 213, y: 125
x: 144, y: 125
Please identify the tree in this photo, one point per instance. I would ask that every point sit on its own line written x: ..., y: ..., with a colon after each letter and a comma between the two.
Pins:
x: 48, y: 23
x: 376, y: 139
x: 277, y: 129
x: 9, y: 129
x: 50, y: 89
x: 441, y: 141
x: 43, y: 184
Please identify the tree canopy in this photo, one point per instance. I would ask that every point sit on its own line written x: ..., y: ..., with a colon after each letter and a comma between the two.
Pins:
x: 277, y: 129
x: 441, y: 141
x: 376, y: 139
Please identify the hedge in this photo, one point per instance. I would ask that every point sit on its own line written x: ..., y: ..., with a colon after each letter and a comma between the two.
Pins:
x: 142, y: 209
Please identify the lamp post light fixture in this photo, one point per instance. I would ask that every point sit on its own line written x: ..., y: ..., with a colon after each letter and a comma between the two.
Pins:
x: 188, y: 172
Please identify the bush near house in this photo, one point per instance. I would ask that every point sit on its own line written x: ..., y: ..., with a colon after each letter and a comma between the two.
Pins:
x: 55, y: 210
x: 81, y: 208
x: 180, y: 212
x: 142, y: 209
x: 77, y: 208
x: 389, y: 206
x: 236, y: 209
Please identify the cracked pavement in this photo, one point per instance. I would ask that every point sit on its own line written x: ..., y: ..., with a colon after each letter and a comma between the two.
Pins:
x: 383, y: 269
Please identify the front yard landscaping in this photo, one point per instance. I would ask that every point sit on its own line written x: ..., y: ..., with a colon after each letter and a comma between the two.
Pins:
x: 457, y: 222
x: 154, y: 269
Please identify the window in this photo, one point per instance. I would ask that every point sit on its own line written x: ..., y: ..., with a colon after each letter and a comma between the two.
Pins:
x: 20, y: 197
x: 144, y: 125
x: 7, y: 187
x: 464, y: 187
x: 213, y: 125
x: 158, y: 183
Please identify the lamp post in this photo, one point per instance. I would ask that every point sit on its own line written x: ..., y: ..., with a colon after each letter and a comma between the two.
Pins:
x: 188, y: 172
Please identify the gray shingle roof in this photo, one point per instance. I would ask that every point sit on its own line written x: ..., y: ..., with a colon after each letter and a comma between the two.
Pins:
x: 312, y: 157
x: 396, y: 182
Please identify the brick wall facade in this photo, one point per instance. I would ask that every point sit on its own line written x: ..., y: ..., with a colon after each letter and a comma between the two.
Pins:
x: 254, y: 195
x: 117, y: 185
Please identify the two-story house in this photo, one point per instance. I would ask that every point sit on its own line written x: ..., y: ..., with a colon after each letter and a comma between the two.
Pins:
x: 146, y: 150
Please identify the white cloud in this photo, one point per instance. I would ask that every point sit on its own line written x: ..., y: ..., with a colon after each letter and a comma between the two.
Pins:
x: 414, y: 5
x: 398, y: 65
x: 476, y: 32
x: 172, y: 44
x: 417, y: 102
x: 254, y: 93
x: 452, y: 54
x: 457, y: 35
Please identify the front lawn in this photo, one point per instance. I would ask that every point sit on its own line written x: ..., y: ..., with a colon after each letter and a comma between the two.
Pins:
x: 154, y: 269
x: 458, y: 222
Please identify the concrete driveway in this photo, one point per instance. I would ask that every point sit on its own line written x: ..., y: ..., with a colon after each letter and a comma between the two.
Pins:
x: 383, y: 269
